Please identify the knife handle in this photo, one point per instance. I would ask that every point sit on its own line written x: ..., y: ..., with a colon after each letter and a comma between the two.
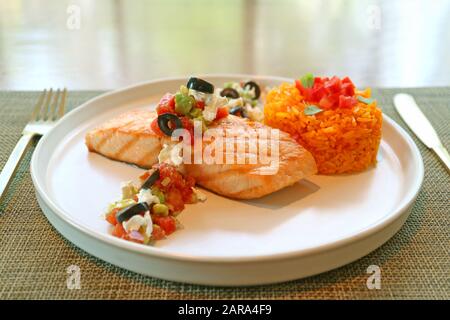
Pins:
x: 443, y: 154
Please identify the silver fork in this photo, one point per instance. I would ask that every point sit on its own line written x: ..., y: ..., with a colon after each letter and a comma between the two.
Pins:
x: 49, y: 108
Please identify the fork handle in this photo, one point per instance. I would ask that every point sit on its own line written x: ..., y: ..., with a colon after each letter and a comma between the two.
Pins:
x: 11, y: 165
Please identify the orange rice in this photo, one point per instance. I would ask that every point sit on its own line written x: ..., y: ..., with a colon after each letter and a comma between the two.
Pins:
x: 342, y: 140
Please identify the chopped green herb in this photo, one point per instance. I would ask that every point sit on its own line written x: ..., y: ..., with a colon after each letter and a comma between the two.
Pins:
x: 307, y: 80
x: 365, y: 100
x: 312, y: 110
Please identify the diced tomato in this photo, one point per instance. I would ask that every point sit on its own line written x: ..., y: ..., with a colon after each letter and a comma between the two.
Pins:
x: 326, y: 103
x: 177, y: 190
x: 330, y: 101
x: 347, y: 102
x: 305, y: 92
x: 348, y: 89
x: 158, y: 233
x: 329, y: 93
x: 201, y: 104
x: 168, y: 99
x: 318, y: 93
x: 119, y: 231
x: 188, y: 125
x: 166, y: 104
x: 175, y: 200
x: 189, y: 182
x: 168, y: 171
x: 221, y: 113
x: 333, y: 85
x: 111, y: 217
x: 334, y: 98
x: 168, y: 224
x: 347, y: 80
x: 318, y: 82
x: 145, y: 175
x: 178, y: 185
x: 155, y: 127
x: 164, y: 109
x: 186, y: 191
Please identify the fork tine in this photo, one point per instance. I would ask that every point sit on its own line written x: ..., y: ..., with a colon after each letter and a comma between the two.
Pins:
x: 62, y: 104
x: 45, y: 107
x: 37, y: 107
x: 52, y: 114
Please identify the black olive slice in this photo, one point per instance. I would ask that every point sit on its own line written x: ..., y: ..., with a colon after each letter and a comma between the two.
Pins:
x: 238, y: 111
x: 229, y: 93
x: 200, y: 85
x: 253, y: 85
x: 151, y: 180
x: 130, y: 211
x: 164, y: 120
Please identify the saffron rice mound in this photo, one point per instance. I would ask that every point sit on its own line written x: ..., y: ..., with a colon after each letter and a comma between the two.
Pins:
x: 342, y: 140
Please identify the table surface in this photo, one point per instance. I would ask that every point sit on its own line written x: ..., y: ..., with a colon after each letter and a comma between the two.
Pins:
x: 107, y: 44
x: 34, y: 257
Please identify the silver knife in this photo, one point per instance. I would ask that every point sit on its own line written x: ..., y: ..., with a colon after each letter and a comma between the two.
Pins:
x: 407, y: 107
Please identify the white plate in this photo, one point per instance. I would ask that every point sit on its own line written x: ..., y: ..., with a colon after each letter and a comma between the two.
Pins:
x: 312, y: 227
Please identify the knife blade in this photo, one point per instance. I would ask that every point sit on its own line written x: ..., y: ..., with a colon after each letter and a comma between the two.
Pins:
x: 410, y: 112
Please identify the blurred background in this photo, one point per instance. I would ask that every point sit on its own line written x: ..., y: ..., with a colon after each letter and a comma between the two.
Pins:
x: 106, y: 44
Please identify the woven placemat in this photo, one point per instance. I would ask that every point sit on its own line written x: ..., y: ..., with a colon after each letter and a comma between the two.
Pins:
x: 34, y: 257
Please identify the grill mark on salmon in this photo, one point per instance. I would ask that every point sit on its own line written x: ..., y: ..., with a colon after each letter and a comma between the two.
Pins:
x: 126, y: 146
x: 99, y: 145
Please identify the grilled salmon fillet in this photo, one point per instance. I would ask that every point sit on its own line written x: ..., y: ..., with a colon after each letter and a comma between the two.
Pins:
x: 129, y: 138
